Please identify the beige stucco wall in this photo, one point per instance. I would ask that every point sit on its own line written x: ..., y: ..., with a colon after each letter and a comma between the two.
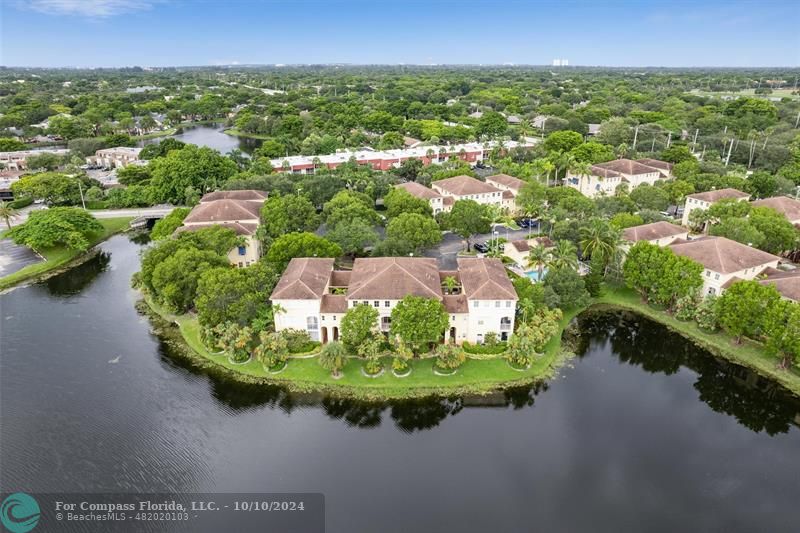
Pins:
x: 713, y: 281
x: 251, y: 255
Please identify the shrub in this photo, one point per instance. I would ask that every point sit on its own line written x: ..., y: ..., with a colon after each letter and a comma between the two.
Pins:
x: 490, y: 339
x: 706, y: 314
x: 19, y: 203
x: 484, y: 349
x: 272, y: 350
x: 686, y: 307
x: 373, y: 366
x: 333, y: 357
x: 298, y: 341
x: 449, y: 356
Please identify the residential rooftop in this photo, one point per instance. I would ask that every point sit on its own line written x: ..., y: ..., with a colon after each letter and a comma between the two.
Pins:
x: 420, y: 191
x: 305, y: 278
x: 509, y: 181
x: 717, y: 195
x: 223, y: 211
x: 627, y: 166
x: 721, y: 254
x: 649, y: 232
x: 464, y: 185
x: 789, y: 207
x: 244, y: 194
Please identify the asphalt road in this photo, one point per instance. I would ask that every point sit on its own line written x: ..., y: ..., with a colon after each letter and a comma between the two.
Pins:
x: 447, y: 250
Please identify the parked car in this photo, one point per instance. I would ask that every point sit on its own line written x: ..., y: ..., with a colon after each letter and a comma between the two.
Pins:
x: 527, y: 223
x: 481, y: 247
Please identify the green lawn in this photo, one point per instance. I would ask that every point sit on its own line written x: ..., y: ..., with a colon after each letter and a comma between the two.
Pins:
x: 750, y: 354
x: 156, y: 134
x: 237, y: 133
x: 59, y: 256
x: 306, y: 374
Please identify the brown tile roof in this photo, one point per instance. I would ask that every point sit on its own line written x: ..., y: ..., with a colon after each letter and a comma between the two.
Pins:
x: 509, y: 181
x: 788, y: 286
x: 656, y: 163
x: 789, y: 207
x: 241, y: 228
x: 525, y: 245
x: 463, y: 185
x: 420, y: 191
x: 649, y: 232
x: 223, y: 211
x: 626, y: 166
x: 392, y: 278
x: 603, y: 172
x: 485, y: 279
x: 333, y: 303
x: 448, y: 200
x: 245, y: 194
x: 340, y: 278
x: 456, y: 303
x: 304, y: 279
x: 508, y: 195
x: 722, y: 255
x: 719, y: 194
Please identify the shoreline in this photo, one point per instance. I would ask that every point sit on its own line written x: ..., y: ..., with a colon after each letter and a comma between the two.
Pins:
x: 52, y: 267
x: 310, y: 377
x: 304, y: 375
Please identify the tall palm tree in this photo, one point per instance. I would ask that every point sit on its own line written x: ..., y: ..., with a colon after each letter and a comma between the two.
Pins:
x: 539, y: 257
x: 581, y: 168
x: 7, y: 213
x: 565, y: 255
x: 596, y: 238
x: 562, y: 161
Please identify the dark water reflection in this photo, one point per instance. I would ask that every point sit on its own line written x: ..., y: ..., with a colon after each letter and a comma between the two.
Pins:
x: 212, y: 136
x: 642, y: 433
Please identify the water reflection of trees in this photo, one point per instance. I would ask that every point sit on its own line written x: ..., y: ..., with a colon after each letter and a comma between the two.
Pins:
x: 77, y: 278
x: 756, y: 403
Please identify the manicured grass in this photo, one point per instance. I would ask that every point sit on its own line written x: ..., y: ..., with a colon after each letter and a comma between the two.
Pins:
x: 306, y: 374
x: 749, y: 353
x: 156, y: 134
x: 60, y: 256
x: 237, y: 133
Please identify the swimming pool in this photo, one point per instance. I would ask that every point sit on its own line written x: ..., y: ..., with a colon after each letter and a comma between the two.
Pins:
x: 533, y: 275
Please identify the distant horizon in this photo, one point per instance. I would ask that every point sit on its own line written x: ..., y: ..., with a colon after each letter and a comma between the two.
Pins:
x: 203, y: 33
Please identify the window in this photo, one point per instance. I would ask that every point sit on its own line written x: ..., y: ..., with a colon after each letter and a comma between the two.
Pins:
x: 497, y: 303
x: 242, y: 250
x: 480, y: 322
x: 376, y: 303
x: 312, y: 326
x: 387, y: 303
x: 708, y: 273
x: 475, y: 304
x: 716, y: 276
x: 505, y: 324
x: 386, y: 322
x: 508, y: 303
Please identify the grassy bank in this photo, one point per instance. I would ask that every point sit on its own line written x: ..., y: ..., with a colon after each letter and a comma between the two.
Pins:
x: 304, y: 374
x: 238, y: 133
x: 60, y: 257
x: 749, y: 354
x: 155, y: 134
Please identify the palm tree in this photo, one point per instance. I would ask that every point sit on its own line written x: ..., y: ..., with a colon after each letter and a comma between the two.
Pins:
x: 562, y: 161
x: 597, y: 238
x: 7, y: 213
x: 450, y: 284
x: 564, y: 255
x: 581, y: 168
x: 539, y: 257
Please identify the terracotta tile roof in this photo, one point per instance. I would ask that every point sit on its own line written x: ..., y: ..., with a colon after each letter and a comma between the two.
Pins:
x: 420, y: 191
x: 649, y: 232
x: 722, y: 255
x: 241, y: 228
x: 333, y: 303
x: 304, y: 279
x: 525, y: 245
x: 719, y: 194
x: 789, y: 207
x: 340, y: 278
x: 245, y: 194
x: 485, y: 279
x: 603, y: 172
x: 463, y: 185
x: 787, y: 285
x: 223, y: 211
x: 392, y: 278
x: 448, y: 200
x: 626, y: 166
x: 656, y: 163
x: 456, y: 303
x: 508, y: 195
x: 509, y: 181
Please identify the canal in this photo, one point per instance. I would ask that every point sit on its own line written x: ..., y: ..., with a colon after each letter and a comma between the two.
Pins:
x: 642, y: 432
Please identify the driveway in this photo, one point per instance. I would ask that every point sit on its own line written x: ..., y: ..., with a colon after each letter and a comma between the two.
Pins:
x: 14, y: 257
x: 447, y: 250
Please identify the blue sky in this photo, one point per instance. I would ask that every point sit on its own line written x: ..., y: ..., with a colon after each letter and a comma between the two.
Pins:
x: 85, y: 33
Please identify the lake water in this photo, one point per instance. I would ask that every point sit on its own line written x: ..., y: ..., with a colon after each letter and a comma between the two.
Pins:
x: 211, y: 136
x: 643, y: 432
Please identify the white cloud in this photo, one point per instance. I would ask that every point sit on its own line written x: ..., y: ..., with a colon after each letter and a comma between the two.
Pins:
x: 89, y: 8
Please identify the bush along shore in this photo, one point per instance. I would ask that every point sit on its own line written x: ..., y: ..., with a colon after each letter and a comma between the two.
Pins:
x: 423, y: 376
x: 473, y: 370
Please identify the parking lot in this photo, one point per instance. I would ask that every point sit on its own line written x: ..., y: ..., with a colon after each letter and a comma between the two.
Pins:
x: 14, y: 257
x: 447, y: 250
